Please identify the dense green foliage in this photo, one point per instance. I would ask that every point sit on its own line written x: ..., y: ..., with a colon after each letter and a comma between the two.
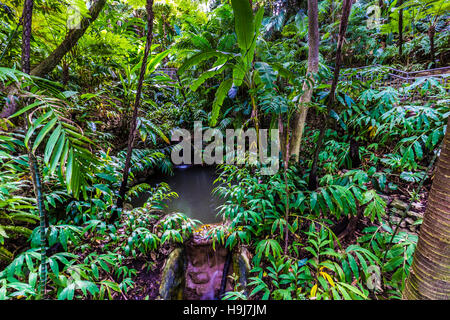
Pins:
x: 229, y: 66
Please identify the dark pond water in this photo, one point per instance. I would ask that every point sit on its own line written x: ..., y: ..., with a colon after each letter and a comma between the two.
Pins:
x: 194, y: 187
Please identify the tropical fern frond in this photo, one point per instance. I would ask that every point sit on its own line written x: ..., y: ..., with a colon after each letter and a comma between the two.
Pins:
x: 137, y: 189
x: 67, y: 146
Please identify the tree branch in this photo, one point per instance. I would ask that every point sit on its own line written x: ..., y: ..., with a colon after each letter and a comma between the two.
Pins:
x: 48, y: 64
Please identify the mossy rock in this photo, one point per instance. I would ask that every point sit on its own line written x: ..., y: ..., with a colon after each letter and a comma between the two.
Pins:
x: 127, y: 206
x: 241, y: 267
x: 399, y: 204
x: 172, y: 280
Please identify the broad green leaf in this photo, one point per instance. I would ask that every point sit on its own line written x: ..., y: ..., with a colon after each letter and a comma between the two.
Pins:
x: 51, y: 144
x: 58, y: 152
x: 29, y: 107
x: 42, y: 134
x: 199, y: 57
x: 221, y: 93
x: 206, y: 75
x: 244, y: 27
x: 156, y: 60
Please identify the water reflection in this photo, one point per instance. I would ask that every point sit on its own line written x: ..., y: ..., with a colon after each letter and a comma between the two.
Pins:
x: 194, y: 187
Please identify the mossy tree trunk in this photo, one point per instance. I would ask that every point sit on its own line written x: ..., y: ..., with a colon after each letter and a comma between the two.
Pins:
x: 430, y: 271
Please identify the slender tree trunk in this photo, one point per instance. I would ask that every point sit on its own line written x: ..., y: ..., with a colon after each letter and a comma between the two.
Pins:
x: 308, y: 87
x: 346, y: 8
x: 65, y: 73
x: 133, y: 126
x: 429, y: 276
x: 400, y: 30
x: 255, y: 116
x: 48, y: 64
x: 286, y: 185
x: 333, y: 8
x: 32, y: 161
x: 354, y: 152
x: 431, y: 33
x: 26, y: 39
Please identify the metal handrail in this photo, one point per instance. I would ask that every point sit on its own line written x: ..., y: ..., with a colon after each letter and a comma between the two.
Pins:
x: 409, y: 74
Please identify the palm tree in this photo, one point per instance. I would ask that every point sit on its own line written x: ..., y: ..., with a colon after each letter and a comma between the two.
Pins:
x: 430, y: 270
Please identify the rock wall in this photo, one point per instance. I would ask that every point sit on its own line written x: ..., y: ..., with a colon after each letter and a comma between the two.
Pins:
x: 195, y: 271
x: 204, y: 271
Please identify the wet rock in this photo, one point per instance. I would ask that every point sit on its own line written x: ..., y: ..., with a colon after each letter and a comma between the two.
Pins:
x: 204, y: 268
x: 241, y: 267
x: 417, y: 205
x: 127, y: 206
x: 399, y: 204
x: 215, y: 257
x: 173, y: 276
x: 196, y: 271
x: 415, y: 215
x: 396, y: 211
x: 197, y: 260
x: 198, y: 291
x: 199, y: 277
x: 409, y: 221
x: 203, y: 282
x: 395, y: 220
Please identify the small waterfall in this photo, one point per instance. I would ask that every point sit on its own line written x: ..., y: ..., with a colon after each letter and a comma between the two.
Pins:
x: 198, y: 272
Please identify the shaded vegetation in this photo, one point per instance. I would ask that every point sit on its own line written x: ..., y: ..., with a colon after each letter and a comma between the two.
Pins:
x: 87, y: 112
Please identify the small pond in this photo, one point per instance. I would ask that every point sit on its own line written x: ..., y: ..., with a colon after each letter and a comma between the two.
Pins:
x: 194, y: 185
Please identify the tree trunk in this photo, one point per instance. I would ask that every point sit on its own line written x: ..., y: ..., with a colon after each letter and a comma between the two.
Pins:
x: 69, y: 42
x: 333, y: 9
x: 429, y: 276
x: 308, y: 87
x: 400, y: 30
x: 32, y: 161
x: 354, y: 152
x: 27, y: 16
x: 431, y: 32
x: 133, y: 126
x: 346, y: 8
x: 65, y: 73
